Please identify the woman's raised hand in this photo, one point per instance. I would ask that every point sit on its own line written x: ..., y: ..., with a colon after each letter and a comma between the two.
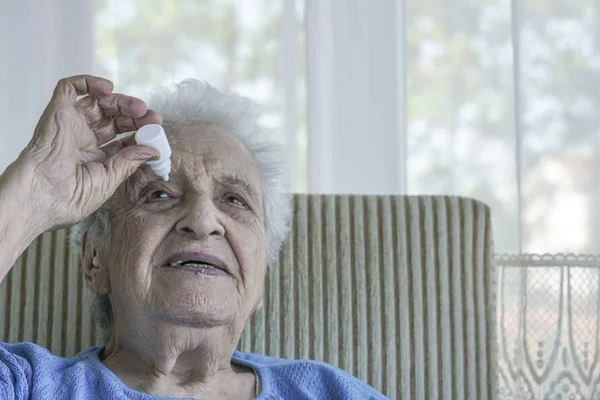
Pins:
x: 72, y: 176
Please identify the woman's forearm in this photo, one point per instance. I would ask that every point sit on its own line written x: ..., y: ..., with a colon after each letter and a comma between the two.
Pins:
x: 21, y: 220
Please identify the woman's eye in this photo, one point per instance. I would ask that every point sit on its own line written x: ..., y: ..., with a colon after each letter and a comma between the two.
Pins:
x: 236, y: 201
x: 159, y: 195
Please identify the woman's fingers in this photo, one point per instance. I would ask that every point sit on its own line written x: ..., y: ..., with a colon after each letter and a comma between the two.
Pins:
x: 108, y: 114
x: 112, y: 148
x: 88, y: 106
x: 80, y: 85
x: 122, y: 105
x: 109, y: 127
x: 125, y: 124
x: 125, y: 162
x: 128, y: 141
x: 105, y: 130
x: 116, y: 145
x: 113, y: 105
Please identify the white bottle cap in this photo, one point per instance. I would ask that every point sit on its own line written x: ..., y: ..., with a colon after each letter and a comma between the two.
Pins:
x: 154, y: 135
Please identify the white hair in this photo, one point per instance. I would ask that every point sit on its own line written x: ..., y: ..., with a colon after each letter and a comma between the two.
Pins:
x: 196, y: 101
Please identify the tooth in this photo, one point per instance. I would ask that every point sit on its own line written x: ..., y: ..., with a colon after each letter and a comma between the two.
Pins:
x: 192, y: 264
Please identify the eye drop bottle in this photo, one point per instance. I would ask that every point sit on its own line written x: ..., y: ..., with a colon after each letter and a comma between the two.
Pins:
x: 154, y: 135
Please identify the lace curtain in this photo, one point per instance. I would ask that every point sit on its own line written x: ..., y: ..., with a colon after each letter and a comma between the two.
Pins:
x: 548, y: 320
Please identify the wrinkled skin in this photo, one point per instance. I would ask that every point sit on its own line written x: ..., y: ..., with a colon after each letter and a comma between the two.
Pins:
x: 173, y: 324
x: 63, y: 175
x: 175, y: 330
x: 71, y: 170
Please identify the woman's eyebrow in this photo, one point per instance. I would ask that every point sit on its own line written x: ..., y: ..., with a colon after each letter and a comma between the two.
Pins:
x: 234, y: 181
x: 143, y: 177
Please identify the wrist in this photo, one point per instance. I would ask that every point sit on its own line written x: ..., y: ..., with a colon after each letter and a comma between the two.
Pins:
x: 20, y: 224
x: 21, y: 200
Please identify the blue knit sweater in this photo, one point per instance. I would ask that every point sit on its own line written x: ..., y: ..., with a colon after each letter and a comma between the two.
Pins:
x: 28, y: 371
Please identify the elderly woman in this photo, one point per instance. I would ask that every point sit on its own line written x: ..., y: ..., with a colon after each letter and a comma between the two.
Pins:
x: 178, y: 266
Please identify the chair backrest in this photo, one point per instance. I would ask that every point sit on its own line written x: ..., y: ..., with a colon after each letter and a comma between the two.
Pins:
x: 396, y: 290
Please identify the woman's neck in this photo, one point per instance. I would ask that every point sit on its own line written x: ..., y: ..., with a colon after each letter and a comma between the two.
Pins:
x: 175, y: 361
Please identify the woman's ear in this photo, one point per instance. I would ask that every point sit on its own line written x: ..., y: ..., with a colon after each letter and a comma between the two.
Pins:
x: 94, y: 267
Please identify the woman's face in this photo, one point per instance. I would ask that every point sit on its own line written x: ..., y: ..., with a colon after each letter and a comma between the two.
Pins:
x: 190, y: 251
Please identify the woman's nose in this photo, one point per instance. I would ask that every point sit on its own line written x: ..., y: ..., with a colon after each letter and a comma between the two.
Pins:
x: 201, y: 220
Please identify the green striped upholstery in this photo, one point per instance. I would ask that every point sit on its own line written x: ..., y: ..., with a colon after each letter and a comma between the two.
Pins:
x: 398, y: 291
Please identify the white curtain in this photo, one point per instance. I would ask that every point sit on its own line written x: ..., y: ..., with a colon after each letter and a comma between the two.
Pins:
x: 40, y: 42
x: 493, y: 99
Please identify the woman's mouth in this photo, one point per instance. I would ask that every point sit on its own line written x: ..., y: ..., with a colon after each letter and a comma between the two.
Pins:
x: 197, y: 267
x: 197, y: 262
